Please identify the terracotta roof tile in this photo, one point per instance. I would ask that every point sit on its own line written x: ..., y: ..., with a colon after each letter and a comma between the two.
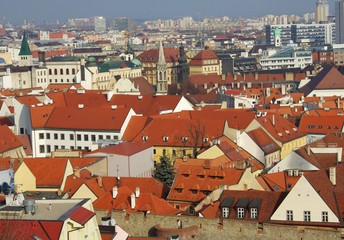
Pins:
x: 8, y: 140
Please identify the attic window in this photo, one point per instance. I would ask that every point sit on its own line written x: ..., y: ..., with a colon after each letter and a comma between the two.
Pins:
x: 184, y: 139
x: 205, y: 140
x: 144, y: 138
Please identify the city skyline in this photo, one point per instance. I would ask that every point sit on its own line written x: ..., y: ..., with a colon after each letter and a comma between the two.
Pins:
x: 149, y: 9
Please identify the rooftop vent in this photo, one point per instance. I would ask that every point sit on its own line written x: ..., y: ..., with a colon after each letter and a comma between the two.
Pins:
x: 80, y: 106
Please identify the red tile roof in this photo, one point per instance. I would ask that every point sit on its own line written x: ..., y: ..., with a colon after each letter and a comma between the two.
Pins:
x: 74, y: 118
x: 8, y: 140
x: 279, y: 128
x: 152, y: 55
x: 81, y: 215
x: 320, y: 124
x: 9, y: 229
x: 52, y: 228
x: 279, y: 182
x: 192, y: 183
x: 263, y: 141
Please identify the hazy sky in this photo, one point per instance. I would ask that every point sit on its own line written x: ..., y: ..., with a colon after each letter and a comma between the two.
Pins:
x: 52, y: 10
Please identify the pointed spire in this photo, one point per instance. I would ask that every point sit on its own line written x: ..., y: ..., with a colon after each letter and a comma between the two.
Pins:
x: 161, y: 59
x: 25, y: 48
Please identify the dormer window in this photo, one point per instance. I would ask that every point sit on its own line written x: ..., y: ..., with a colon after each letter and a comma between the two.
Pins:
x: 184, y: 139
x: 145, y: 138
x: 205, y: 140
x: 165, y: 138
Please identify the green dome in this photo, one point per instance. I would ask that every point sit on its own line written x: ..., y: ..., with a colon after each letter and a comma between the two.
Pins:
x: 136, y: 62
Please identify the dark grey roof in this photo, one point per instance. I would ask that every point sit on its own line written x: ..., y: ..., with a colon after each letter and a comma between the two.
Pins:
x: 255, y: 203
x: 242, y: 202
x: 227, y: 202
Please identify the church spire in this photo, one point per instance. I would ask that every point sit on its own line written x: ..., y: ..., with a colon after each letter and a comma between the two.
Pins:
x: 25, y: 48
x: 161, y: 59
x: 161, y: 72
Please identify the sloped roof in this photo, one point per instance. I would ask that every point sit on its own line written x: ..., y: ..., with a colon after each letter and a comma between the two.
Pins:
x: 160, y: 133
x: 320, y: 124
x: 207, y: 179
x: 81, y: 215
x: 279, y: 182
x: 268, y: 204
x: 8, y: 140
x: 152, y: 55
x: 328, y: 78
x: 74, y: 118
x: 124, y: 149
x: 263, y: 141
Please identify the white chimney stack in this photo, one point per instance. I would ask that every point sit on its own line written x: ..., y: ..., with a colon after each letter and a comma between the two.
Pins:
x: 332, y: 173
x: 273, y: 120
x: 133, y: 201
x: 137, y: 192
x: 114, y: 192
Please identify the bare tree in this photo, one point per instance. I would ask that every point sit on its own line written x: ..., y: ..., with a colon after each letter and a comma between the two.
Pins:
x: 197, y: 134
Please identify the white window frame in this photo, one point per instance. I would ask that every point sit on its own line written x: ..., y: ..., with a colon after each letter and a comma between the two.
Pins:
x: 307, y: 216
x: 254, y: 213
x: 324, y: 216
x: 240, y: 212
x: 290, y: 215
x: 225, y: 212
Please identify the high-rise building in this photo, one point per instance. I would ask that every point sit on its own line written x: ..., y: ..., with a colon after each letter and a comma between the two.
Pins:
x: 340, y: 22
x: 322, y: 10
x: 121, y: 24
x: 99, y: 24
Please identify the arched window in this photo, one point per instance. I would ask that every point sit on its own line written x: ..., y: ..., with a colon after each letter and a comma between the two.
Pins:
x: 50, y: 72
x: 67, y: 71
x: 55, y: 71
x: 73, y: 71
x: 61, y: 71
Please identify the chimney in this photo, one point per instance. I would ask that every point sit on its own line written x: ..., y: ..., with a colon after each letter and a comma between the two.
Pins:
x: 118, y: 182
x: 132, y: 201
x: 273, y: 119
x: 339, y: 156
x: 114, y: 192
x: 100, y: 181
x: 256, y: 76
x: 137, y: 192
x: 332, y: 173
x: 77, y: 172
x: 308, y: 150
x: 235, y: 77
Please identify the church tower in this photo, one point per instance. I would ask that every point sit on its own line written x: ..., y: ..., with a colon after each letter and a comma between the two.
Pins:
x: 25, y: 55
x: 183, y: 67
x: 161, y: 72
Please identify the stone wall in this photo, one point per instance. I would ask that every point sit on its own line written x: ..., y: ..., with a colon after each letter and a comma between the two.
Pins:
x: 139, y: 224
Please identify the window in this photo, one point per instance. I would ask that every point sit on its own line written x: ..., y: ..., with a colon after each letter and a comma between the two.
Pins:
x: 108, y: 137
x: 56, y: 136
x: 21, y: 130
x: 71, y: 147
x: 93, y: 138
x: 100, y: 136
x: 55, y: 71
x: 85, y: 137
x: 307, y: 216
x: 41, y: 149
x: 254, y: 213
x: 78, y: 137
x: 164, y: 152
x: 115, y: 137
x: 289, y: 215
x: 240, y: 213
x: 87, y: 148
x: 71, y: 136
x: 62, y: 136
x: 67, y: 71
x: 225, y: 212
x: 174, y: 152
x: 154, y: 151
x: 56, y: 147
x: 61, y: 71
x: 48, y: 149
x: 73, y: 71
x: 62, y: 147
x: 324, y: 216
x: 41, y: 136
x: 47, y: 136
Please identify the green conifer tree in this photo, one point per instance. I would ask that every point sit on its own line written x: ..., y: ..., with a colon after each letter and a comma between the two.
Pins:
x: 164, y: 171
